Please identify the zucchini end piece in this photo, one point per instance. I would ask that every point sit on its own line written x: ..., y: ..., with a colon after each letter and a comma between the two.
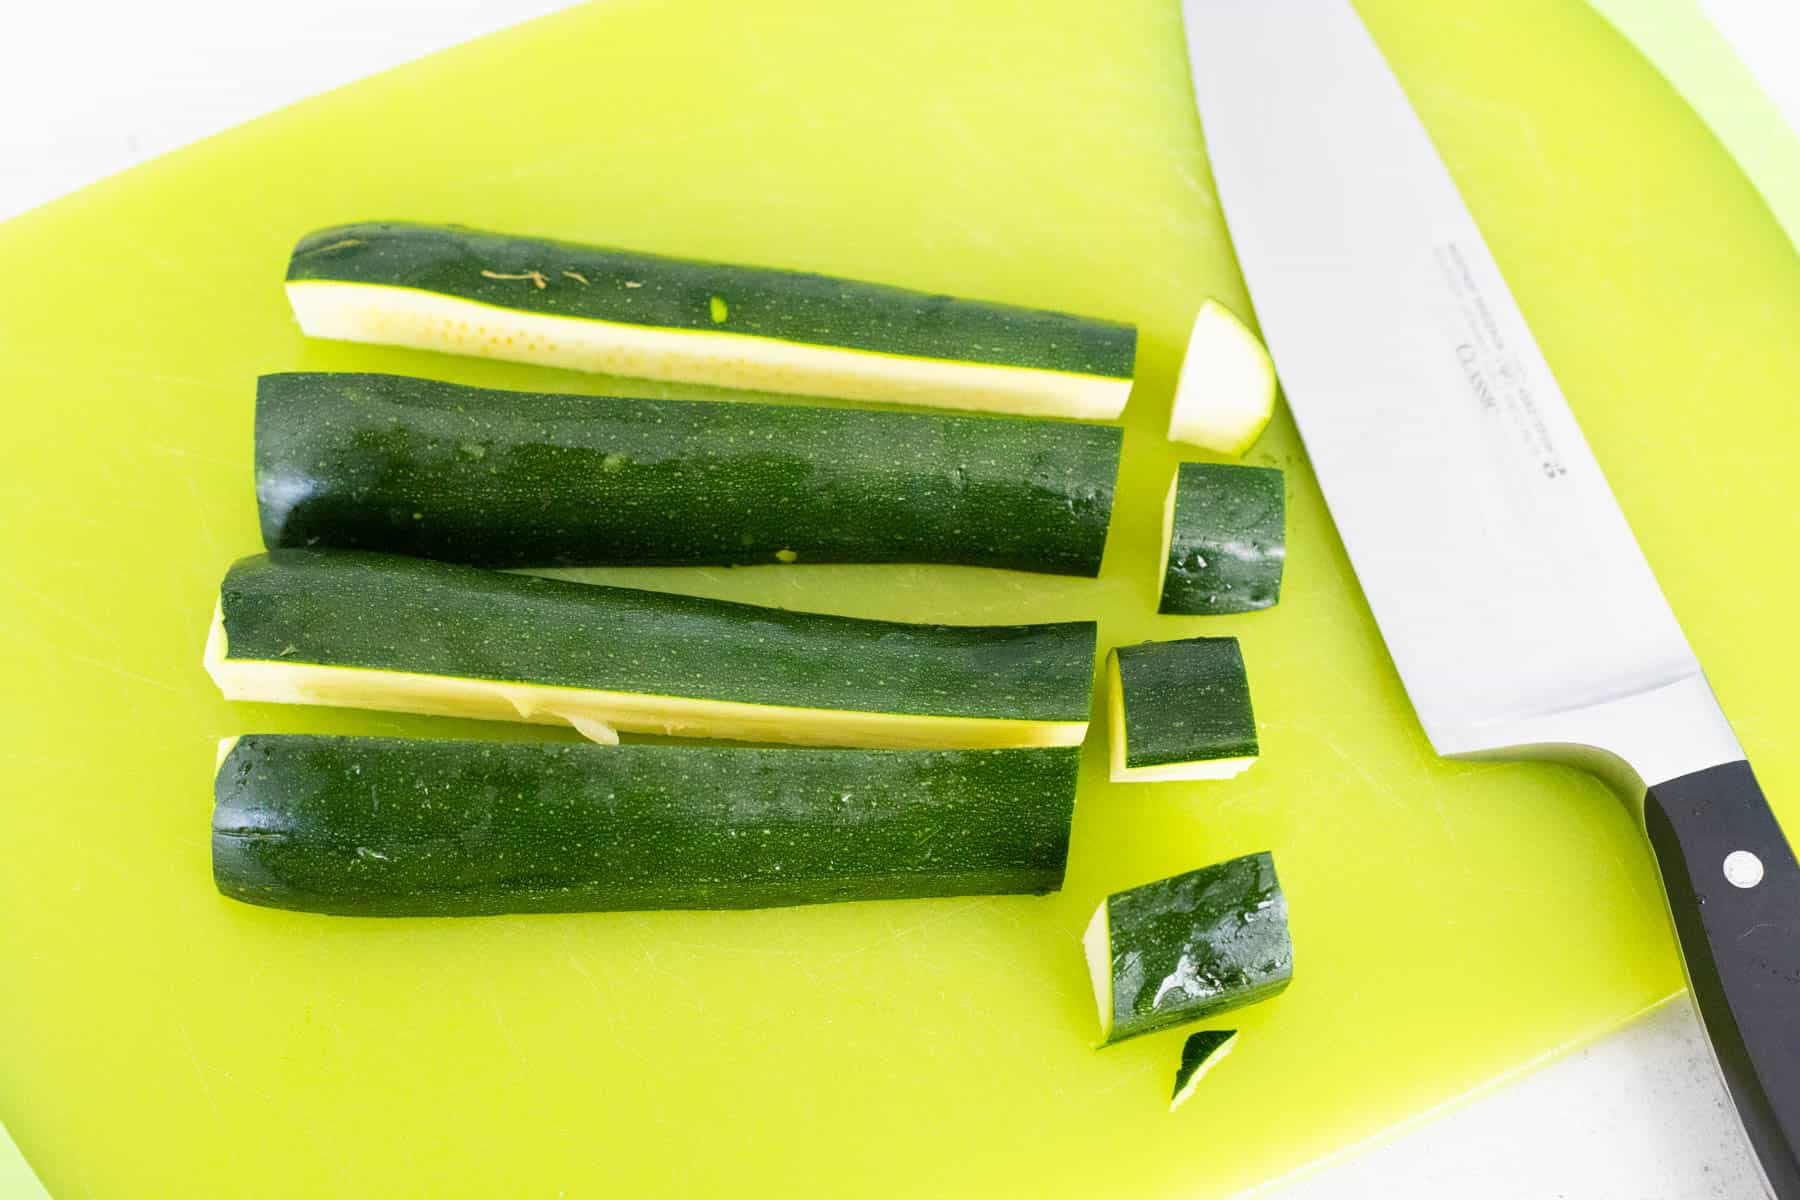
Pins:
x: 1225, y: 394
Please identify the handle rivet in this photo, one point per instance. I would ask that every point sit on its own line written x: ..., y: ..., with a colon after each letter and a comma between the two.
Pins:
x: 1743, y: 869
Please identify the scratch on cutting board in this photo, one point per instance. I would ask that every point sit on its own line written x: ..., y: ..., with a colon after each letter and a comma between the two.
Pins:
x: 186, y: 381
x: 626, y: 1047
x: 254, y: 1091
x: 200, y: 510
x: 1128, y: 1077
x: 593, y: 984
x: 55, y: 606
x: 235, y: 464
x: 506, y: 1033
x: 1527, y: 127
x: 1437, y: 802
x: 116, y: 669
x: 51, y: 763
x: 187, y: 1040
x: 128, y: 375
x: 1382, y: 789
x: 947, y: 911
x: 1631, y: 879
x: 75, y: 516
x: 1191, y: 179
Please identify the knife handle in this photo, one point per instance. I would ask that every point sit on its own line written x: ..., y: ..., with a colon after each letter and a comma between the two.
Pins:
x: 1734, y: 892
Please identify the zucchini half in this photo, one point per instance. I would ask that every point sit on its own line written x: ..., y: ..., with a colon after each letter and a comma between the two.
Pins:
x: 381, y: 631
x: 1189, y: 947
x: 620, y: 312
x: 1224, y: 539
x: 400, y: 827
x: 1180, y: 710
x: 520, y: 479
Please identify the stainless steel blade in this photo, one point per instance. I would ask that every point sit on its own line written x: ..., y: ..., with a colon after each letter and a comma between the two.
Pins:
x: 1512, y: 595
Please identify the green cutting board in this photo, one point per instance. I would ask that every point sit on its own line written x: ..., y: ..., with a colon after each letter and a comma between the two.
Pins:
x: 1452, y: 923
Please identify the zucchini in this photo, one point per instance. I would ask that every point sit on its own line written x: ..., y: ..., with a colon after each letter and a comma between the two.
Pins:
x: 1180, y: 710
x: 1189, y: 947
x: 1226, y: 392
x: 366, y: 630
x: 620, y: 312
x: 1224, y: 539
x: 511, y: 479
x: 1199, y: 1054
x: 399, y: 827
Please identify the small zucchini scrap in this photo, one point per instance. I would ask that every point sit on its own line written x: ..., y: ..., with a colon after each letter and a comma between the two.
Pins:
x: 1180, y: 710
x: 1226, y: 393
x: 1189, y: 947
x: 1199, y: 1054
x: 1224, y: 539
x: 620, y: 312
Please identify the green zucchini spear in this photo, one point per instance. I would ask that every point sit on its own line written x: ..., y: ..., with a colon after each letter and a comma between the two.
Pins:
x: 620, y: 312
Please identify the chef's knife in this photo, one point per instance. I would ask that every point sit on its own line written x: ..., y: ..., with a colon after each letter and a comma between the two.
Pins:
x: 1522, y: 616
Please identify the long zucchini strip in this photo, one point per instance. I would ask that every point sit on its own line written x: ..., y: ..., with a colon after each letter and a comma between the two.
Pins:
x: 381, y: 631
x: 398, y: 827
x: 620, y: 312
x: 521, y: 479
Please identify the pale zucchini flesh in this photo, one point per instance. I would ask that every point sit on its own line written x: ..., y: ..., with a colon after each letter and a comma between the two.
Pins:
x: 1096, y: 944
x: 601, y: 716
x: 391, y: 316
x: 1225, y: 394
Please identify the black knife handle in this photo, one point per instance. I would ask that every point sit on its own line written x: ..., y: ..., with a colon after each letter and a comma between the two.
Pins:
x: 1734, y: 891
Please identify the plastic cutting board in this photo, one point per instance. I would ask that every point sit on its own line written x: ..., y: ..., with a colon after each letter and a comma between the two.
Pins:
x: 1452, y: 923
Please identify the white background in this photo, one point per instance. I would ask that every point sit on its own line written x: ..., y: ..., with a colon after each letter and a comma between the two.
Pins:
x: 88, y: 87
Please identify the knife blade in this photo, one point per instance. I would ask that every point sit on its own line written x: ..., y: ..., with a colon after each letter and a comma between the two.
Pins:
x: 1521, y: 615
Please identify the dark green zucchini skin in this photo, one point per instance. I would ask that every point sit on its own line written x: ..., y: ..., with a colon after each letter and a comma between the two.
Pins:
x: 1228, y: 541
x: 357, y: 609
x: 1186, y: 701
x: 655, y: 291
x: 400, y: 827
x: 518, y: 479
x: 1198, y: 944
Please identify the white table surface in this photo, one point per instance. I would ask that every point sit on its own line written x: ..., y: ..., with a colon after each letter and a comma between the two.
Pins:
x: 1638, y: 1116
